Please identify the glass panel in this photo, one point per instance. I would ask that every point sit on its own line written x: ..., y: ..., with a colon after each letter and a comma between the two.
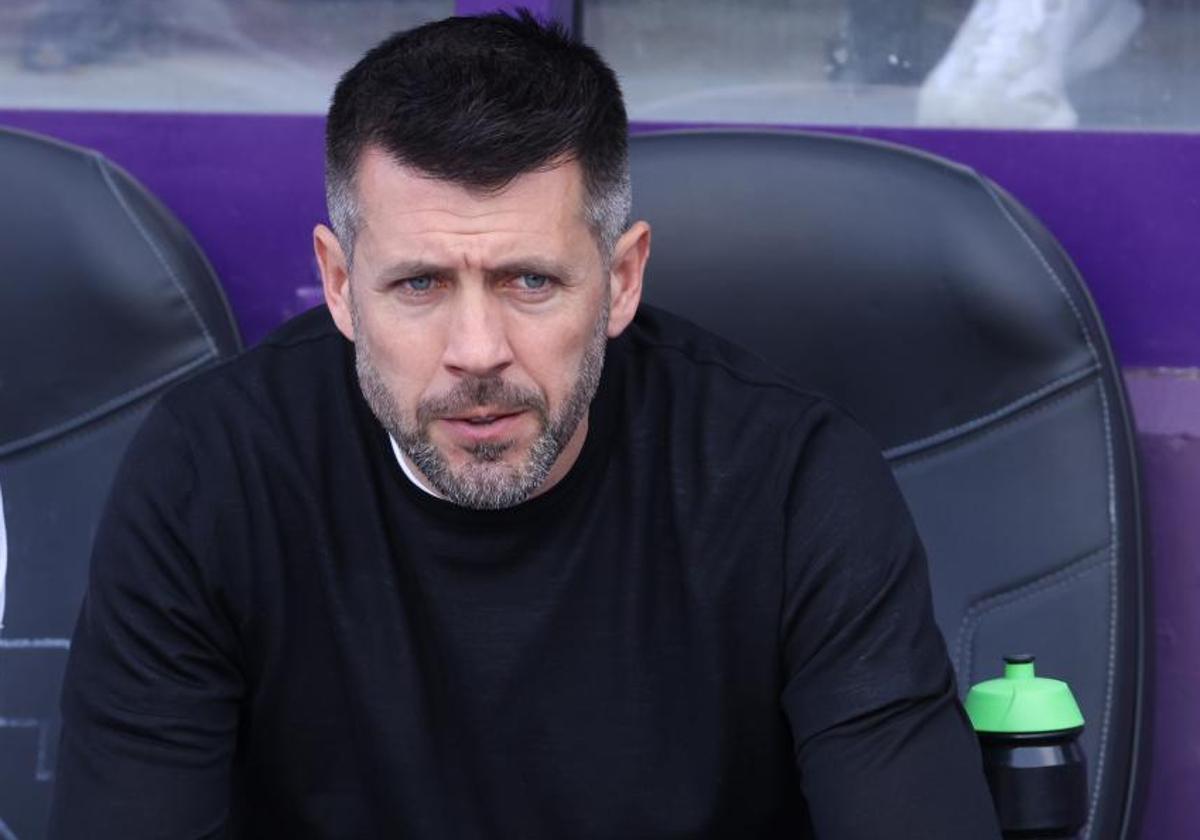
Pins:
x: 993, y: 63
x: 190, y: 55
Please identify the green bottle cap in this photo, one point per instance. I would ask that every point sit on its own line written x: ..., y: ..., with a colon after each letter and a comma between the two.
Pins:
x: 1021, y: 701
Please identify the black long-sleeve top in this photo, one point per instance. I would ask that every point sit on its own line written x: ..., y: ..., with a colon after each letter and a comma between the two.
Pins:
x: 718, y: 624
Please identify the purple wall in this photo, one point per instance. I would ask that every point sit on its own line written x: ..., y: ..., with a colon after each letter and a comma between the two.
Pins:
x: 548, y: 9
x: 1126, y: 207
x: 1166, y: 406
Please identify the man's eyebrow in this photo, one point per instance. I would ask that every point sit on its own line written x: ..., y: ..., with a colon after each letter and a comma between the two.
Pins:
x: 411, y: 268
x: 533, y: 265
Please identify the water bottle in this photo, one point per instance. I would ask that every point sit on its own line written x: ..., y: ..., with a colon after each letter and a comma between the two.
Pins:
x: 1028, y: 728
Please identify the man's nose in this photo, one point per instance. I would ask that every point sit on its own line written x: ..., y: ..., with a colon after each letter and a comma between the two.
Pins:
x: 478, y: 342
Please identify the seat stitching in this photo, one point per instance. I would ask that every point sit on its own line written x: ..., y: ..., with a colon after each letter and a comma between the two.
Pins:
x: 974, y: 614
x: 101, y: 164
x: 1037, y: 252
x: 1013, y: 420
x: 1114, y: 537
x: 1114, y: 604
x: 945, y: 436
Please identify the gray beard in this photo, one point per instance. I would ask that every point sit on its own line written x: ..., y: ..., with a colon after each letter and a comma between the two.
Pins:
x: 485, y: 482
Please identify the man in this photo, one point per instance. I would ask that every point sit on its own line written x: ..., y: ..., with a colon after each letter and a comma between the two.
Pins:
x: 482, y: 550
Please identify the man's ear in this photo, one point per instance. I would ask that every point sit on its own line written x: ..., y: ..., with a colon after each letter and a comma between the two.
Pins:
x: 625, y: 276
x: 335, y: 277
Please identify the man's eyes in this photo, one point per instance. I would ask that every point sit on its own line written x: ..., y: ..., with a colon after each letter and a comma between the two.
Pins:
x: 528, y: 284
x: 418, y: 285
x: 532, y: 282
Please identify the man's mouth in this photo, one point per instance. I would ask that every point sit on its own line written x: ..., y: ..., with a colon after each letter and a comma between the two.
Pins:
x: 483, y: 419
x: 483, y: 425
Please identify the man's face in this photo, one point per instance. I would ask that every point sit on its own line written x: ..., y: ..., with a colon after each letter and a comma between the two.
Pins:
x: 479, y: 323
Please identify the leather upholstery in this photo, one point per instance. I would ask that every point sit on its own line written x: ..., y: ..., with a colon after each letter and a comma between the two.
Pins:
x: 106, y: 301
x: 935, y: 308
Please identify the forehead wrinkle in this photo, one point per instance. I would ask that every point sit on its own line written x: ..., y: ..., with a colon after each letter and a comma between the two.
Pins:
x: 436, y: 244
x: 449, y: 223
x: 471, y: 253
x: 412, y: 209
x: 407, y: 217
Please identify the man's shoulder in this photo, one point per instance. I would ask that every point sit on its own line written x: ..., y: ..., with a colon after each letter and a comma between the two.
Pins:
x: 673, y: 351
x: 297, y: 365
x: 314, y: 325
x: 702, y: 384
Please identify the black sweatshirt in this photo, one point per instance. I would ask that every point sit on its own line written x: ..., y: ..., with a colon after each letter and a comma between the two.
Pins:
x: 718, y: 624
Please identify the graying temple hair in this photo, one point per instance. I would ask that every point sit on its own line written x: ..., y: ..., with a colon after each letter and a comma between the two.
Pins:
x: 607, y: 208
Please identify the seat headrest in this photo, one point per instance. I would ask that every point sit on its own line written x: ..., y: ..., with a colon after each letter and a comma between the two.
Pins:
x: 910, y: 289
x: 105, y: 295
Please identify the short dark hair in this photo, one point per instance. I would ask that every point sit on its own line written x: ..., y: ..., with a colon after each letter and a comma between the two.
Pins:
x: 478, y: 101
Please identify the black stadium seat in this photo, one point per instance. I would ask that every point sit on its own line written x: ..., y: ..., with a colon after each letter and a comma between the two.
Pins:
x: 948, y: 320
x: 105, y: 301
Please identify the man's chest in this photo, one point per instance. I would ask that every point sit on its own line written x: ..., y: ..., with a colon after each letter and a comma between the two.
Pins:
x: 554, y: 687
x: 584, y: 735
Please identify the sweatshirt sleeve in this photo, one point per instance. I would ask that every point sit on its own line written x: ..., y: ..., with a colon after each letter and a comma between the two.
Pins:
x: 882, y: 745
x: 152, y: 688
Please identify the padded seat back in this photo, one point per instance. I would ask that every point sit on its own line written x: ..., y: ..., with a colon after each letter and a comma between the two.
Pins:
x: 948, y: 320
x: 105, y: 301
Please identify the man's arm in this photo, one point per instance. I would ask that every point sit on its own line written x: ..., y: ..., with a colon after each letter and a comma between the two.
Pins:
x: 151, y: 695
x: 882, y: 745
